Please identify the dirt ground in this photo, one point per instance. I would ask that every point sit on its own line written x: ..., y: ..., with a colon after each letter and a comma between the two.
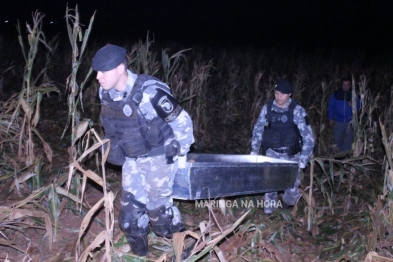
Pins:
x: 34, y: 242
x: 279, y: 237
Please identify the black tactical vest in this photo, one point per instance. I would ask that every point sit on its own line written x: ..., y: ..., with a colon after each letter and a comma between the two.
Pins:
x: 281, y: 131
x: 132, y: 135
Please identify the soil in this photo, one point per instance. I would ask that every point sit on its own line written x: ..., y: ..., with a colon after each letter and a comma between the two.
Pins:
x: 297, y: 245
x: 33, y: 243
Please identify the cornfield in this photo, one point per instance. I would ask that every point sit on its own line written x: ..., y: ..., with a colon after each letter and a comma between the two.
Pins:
x: 53, y: 171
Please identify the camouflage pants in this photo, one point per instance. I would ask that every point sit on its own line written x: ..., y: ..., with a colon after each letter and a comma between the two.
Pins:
x: 150, y: 180
x: 291, y: 195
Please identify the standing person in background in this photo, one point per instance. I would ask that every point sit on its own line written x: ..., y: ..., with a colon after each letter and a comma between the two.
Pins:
x: 150, y: 135
x: 340, y: 115
x: 283, y: 131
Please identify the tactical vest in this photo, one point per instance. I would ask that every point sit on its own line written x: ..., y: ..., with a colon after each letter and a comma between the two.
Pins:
x: 280, y: 130
x: 132, y: 135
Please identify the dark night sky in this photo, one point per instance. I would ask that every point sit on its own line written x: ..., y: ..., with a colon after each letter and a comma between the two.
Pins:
x: 355, y: 24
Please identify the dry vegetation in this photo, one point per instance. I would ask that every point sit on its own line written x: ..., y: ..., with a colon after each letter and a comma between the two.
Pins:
x: 346, y: 209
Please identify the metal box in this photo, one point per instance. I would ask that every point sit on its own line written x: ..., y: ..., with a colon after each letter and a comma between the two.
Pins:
x: 218, y: 175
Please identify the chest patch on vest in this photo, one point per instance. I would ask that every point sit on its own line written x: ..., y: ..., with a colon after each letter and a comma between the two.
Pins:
x: 127, y: 110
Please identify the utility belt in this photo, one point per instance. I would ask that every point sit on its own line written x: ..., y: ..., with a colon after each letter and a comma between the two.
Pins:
x: 117, y: 155
x: 289, y: 151
x: 154, y: 152
x: 170, y: 151
x: 281, y: 150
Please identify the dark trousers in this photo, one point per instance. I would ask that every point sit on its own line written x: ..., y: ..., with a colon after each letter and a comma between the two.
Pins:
x: 343, y: 135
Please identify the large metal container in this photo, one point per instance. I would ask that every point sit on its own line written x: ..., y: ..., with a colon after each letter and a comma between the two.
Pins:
x: 218, y: 175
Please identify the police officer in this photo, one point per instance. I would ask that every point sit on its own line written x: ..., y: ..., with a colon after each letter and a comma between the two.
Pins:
x: 150, y: 135
x: 283, y: 131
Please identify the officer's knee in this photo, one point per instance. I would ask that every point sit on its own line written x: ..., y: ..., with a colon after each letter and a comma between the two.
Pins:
x: 133, y: 219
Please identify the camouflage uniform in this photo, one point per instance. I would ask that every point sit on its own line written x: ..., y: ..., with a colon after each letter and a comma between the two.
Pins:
x: 147, y: 180
x: 300, y: 119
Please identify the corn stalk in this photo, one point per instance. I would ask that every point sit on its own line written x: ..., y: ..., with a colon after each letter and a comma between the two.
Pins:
x: 142, y: 59
x: 75, y: 36
x: 362, y: 120
x: 80, y: 139
x: 30, y: 98
x: 75, y: 89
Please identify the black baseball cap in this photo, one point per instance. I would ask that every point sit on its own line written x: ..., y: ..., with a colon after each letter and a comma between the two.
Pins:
x: 108, y: 57
x: 283, y: 86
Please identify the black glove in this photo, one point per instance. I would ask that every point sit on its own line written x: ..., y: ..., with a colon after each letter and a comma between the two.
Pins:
x: 171, y: 150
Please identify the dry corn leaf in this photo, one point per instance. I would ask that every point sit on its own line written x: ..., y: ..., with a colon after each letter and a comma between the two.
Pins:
x: 36, y: 117
x: 25, y: 107
x: 4, y: 242
x: 35, y: 195
x: 63, y: 192
x: 178, y: 242
x: 20, y: 179
x: 47, y: 148
x: 70, y: 172
x: 48, y: 225
x: 214, y: 242
x: 81, y: 130
x: 94, y: 147
x: 88, y: 218
x: 54, y: 206
x: 219, y: 254
x: 26, y: 174
x: 374, y: 257
x: 100, y: 238
x: 272, y: 249
x: 93, y: 176
x: 83, y: 187
x: 4, y: 212
x: 17, y: 213
x: 199, y: 247
x: 232, y: 243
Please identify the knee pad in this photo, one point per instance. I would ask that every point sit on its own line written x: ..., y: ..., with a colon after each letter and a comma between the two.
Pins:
x: 162, y: 220
x: 133, y: 219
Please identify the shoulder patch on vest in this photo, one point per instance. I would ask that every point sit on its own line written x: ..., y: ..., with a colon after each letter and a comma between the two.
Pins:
x: 166, y: 105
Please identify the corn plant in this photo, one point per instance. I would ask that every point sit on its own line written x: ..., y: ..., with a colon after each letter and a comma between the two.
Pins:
x: 75, y: 105
x: 141, y: 58
x: 81, y: 144
x: 30, y: 98
x: 171, y: 65
x: 75, y: 35
x: 20, y: 116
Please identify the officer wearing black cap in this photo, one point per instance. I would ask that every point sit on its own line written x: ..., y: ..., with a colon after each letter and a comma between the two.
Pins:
x: 150, y: 135
x: 283, y: 131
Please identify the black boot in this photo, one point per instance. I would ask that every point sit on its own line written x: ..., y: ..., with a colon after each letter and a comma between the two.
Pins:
x: 138, y: 244
x: 131, y: 211
x: 161, y: 221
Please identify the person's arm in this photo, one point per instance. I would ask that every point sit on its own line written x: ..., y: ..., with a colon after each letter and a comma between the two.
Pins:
x: 257, y: 132
x: 303, y: 123
x: 183, y: 129
x: 176, y: 117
